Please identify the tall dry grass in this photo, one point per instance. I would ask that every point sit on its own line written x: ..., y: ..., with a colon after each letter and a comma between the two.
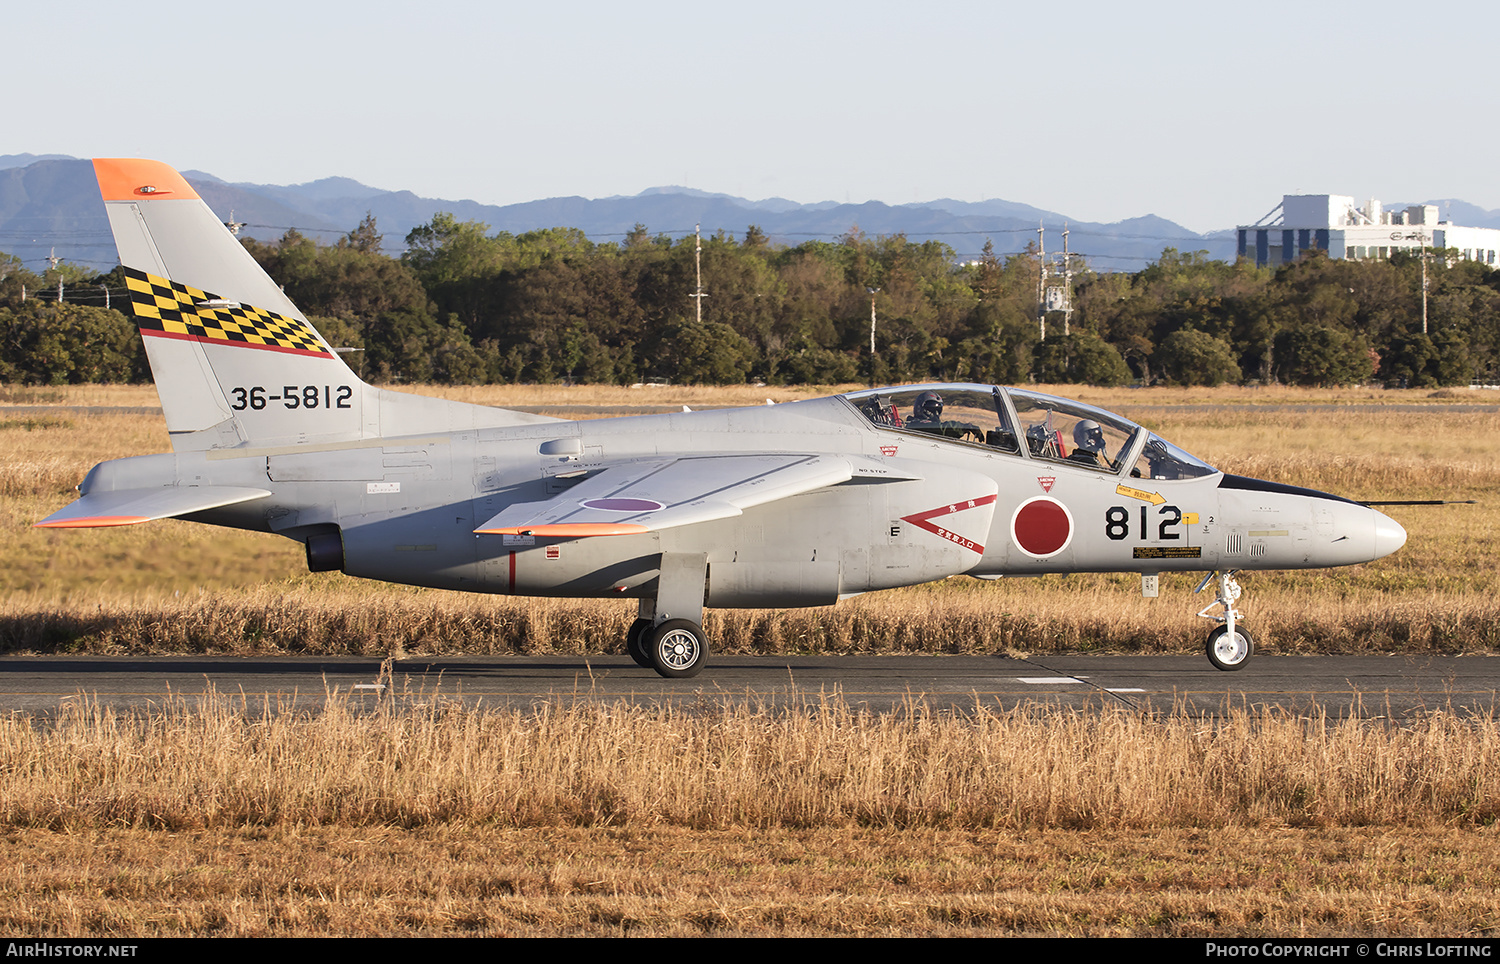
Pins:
x: 1062, y: 615
x: 420, y: 760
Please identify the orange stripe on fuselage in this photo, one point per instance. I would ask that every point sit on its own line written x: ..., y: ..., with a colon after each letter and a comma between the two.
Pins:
x: 137, y: 179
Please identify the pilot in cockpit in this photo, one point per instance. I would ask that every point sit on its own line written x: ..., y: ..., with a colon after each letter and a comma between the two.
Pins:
x: 927, y: 416
x: 1089, y: 446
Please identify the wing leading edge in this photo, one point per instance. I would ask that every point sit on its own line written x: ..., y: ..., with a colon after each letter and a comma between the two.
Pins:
x: 663, y: 494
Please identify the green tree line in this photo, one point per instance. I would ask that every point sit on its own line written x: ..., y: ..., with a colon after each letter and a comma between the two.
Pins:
x: 465, y: 305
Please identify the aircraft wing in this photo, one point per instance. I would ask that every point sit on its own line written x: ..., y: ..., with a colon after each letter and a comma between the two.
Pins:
x: 662, y: 494
x: 124, y: 507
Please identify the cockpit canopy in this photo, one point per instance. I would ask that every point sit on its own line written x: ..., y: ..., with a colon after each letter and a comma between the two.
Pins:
x: 1029, y: 425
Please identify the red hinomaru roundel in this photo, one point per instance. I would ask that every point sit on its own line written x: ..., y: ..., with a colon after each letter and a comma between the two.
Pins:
x: 1041, y: 527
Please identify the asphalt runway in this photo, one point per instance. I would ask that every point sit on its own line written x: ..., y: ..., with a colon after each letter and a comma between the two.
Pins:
x: 1397, y: 687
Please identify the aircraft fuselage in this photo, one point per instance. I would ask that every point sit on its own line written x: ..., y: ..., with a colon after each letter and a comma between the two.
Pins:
x: 406, y: 510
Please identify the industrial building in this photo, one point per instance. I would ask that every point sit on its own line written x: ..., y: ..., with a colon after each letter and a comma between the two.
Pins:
x: 1333, y: 224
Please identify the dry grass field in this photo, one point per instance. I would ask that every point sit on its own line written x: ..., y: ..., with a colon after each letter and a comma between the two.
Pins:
x: 424, y: 818
x: 475, y: 881
x: 607, y: 820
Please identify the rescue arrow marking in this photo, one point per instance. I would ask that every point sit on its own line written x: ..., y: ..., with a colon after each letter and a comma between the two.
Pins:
x: 1155, y: 498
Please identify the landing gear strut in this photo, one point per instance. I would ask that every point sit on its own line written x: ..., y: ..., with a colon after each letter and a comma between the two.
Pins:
x: 1229, y: 645
x: 667, y: 635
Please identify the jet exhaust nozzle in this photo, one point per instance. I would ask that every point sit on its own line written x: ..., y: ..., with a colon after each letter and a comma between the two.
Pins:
x: 325, y: 552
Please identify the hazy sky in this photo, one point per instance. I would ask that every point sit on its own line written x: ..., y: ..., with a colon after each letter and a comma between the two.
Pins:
x: 1199, y: 112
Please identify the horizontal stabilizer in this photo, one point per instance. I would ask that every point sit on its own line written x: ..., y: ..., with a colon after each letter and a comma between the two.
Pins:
x: 649, y: 496
x: 131, y: 506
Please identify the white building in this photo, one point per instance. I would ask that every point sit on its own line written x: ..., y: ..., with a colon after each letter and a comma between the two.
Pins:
x: 1332, y: 223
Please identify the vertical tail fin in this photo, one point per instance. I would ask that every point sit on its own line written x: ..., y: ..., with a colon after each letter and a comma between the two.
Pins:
x: 235, y: 362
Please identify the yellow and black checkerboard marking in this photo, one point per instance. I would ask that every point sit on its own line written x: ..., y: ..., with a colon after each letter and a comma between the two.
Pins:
x: 178, y: 311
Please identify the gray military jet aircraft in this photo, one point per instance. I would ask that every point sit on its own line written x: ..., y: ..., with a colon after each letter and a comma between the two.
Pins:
x: 799, y: 504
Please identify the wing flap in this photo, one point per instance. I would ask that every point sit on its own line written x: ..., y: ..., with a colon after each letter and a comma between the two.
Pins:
x: 125, y: 507
x: 649, y: 496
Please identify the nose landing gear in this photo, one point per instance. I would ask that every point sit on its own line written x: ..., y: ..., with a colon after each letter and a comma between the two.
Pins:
x: 1229, y: 644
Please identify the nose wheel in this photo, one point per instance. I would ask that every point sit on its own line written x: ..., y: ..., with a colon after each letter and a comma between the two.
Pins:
x: 1229, y: 645
x: 1229, y: 650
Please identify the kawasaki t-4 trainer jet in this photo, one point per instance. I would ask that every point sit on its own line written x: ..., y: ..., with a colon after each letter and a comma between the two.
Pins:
x: 799, y: 504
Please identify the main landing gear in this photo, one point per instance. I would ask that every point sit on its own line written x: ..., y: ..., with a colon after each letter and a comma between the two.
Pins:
x: 668, y: 634
x: 676, y: 649
x: 1229, y: 644
x: 634, y: 645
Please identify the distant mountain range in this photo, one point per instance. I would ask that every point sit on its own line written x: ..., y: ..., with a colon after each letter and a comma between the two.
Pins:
x: 50, y: 201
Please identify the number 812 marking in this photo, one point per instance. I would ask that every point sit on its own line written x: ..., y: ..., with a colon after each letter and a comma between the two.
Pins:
x: 1117, y: 523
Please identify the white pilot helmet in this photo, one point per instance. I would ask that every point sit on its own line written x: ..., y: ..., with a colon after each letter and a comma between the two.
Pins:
x: 1088, y: 436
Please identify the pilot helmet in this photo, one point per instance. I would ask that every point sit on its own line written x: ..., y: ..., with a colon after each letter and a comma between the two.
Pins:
x: 1088, y: 436
x: 928, y: 407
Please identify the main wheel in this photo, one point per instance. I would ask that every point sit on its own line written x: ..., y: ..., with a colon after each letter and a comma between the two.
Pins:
x: 678, y: 648
x: 635, y: 643
x: 1230, y: 651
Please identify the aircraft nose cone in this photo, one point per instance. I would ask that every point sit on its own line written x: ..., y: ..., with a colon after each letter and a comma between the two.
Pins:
x: 1389, y: 536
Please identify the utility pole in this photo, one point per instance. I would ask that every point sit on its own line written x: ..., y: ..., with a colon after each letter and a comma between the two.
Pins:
x: 873, y: 292
x: 1044, y: 287
x: 1423, y: 236
x: 1041, y: 281
x: 53, y: 260
x: 1067, y: 285
x: 698, y: 294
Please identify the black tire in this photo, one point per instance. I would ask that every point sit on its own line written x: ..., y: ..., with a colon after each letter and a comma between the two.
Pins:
x: 1230, y: 653
x: 635, y: 643
x: 678, y: 648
